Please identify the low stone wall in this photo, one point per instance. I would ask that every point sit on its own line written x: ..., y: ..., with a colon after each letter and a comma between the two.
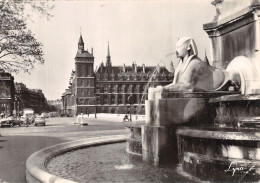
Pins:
x: 36, y: 171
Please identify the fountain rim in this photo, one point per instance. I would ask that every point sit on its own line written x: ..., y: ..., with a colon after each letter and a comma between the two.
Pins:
x: 36, y: 164
x: 217, y: 134
x: 235, y: 97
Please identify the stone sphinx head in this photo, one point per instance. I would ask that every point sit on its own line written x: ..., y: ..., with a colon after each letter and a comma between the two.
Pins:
x: 185, y: 46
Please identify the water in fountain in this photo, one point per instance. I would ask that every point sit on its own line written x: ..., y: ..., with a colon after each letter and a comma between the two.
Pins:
x: 110, y: 163
x: 151, y: 80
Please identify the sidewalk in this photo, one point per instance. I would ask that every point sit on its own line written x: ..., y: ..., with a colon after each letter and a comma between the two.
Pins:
x: 109, y: 117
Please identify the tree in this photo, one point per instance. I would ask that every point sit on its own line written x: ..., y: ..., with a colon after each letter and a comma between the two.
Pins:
x: 19, y: 49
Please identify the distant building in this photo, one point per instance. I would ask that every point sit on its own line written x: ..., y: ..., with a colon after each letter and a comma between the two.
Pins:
x: 6, y: 93
x: 56, y: 104
x: 108, y: 89
x: 30, y: 98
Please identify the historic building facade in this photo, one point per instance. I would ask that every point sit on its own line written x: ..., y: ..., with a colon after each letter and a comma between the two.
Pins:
x: 6, y: 93
x: 109, y: 88
x: 14, y: 97
x: 29, y: 98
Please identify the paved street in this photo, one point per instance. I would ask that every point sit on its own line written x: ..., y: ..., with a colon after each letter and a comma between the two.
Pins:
x: 18, y: 143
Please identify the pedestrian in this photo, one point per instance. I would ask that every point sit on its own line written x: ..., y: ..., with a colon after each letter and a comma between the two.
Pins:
x: 27, y: 120
x: 81, y: 116
x: 126, y: 118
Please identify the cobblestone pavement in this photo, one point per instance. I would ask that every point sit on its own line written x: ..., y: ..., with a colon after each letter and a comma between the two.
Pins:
x: 18, y: 143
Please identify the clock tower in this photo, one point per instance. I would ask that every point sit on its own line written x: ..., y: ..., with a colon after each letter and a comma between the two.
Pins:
x: 84, y: 80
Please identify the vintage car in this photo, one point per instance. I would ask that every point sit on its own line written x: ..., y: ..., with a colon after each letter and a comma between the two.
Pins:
x: 39, y: 120
x: 10, y: 121
x: 31, y: 118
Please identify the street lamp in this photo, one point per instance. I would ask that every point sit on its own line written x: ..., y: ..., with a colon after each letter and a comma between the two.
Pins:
x: 15, y: 99
x: 95, y: 98
x: 18, y: 111
x: 18, y: 99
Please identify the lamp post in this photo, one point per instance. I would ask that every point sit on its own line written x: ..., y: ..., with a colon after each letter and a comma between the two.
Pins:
x: 5, y: 109
x: 18, y: 99
x: 18, y: 111
x: 15, y: 99
x: 95, y: 98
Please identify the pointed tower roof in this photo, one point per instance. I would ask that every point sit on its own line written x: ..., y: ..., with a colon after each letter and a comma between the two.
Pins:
x: 108, y: 51
x: 80, y: 40
x: 108, y: 63
x: 81, y: 53
x: 80, y: 44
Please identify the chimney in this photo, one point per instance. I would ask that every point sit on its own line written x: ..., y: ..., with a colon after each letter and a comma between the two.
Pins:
x: 124, y: 68
x: 143, y: 68
x: 135, y: 67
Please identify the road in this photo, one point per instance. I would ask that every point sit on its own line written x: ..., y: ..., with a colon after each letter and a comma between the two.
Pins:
x: 18, y: 143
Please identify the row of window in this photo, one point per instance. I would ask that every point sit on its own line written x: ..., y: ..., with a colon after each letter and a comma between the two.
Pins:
x: 113, y: 100
x: 134, y: 77
x: 84, y: 82
x: 100, y: 88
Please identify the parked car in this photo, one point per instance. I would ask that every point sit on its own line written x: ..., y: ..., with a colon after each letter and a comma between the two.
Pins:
x: 45, y: 115
x: 10, y: 121
x: 39, y: 120
x: 31, y: 118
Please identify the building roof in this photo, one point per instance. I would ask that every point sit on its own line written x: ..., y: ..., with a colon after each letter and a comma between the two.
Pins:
x: 129, y: 70
x: 84, y: 54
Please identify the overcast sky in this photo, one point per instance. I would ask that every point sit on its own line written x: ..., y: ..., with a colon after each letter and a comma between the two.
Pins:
x: 137, y: 31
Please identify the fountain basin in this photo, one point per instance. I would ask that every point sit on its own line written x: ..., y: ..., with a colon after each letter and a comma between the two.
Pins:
x: 36, y: 170
x: 100, y: 159
x: 110, y: 163
x: 220, y: 154
x: 134, y: 142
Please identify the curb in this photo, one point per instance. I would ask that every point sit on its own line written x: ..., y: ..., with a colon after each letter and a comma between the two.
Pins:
x: 36, y: 171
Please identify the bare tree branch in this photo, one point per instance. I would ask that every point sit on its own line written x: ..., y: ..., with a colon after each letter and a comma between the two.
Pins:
x: 16, y: 41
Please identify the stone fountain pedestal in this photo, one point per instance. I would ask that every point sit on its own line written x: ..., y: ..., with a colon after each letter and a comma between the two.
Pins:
x: 164, y: 113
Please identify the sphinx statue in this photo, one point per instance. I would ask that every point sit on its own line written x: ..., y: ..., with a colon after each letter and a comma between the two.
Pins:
x: 194, y: 75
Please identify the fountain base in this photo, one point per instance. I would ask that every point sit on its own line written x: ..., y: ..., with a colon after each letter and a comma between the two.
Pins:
x: 159, y: 145
x: 220, y: 154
